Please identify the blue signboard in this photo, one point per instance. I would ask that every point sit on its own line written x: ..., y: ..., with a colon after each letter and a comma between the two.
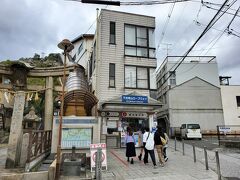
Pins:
x: 134, y: 99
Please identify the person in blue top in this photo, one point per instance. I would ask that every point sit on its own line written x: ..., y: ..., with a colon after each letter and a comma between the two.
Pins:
x: 130, y: 145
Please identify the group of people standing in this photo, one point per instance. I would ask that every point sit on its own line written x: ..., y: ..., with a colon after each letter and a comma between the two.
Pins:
x: 150, y: 140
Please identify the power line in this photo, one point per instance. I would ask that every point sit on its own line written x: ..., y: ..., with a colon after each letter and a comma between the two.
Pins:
x: 233, y: 18
x: 209, y: 7
x: 232, y: 30
x: 165, y: 25
x: 90, y: 27
x: 210, y: 24
x: 131, y: 3
x: 227, y: 29
x: 199, y: 12
x: 187, y: 28
x: 154, y: 2
x: 93, y: 23
x: 215, y: 40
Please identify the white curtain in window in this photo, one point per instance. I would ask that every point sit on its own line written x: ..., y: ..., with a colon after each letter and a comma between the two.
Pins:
x: 111, y: 81
x: 151, y: 38
x: 152, y: 78
x: 141, y: 36
x: 130, y: 76
x: 130, y: 36
x: 142, y: 78
x: 130, y: 51
x: 152, y: 53
x: 142, y: 52
x: 172, y: 78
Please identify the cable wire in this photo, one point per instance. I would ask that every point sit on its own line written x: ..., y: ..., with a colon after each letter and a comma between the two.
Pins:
x: 154, y: 2
x: 210, y: 24
x: 209, y: 7
x: 226, y: 30
x: 139, y: 3
x: 165, y: 25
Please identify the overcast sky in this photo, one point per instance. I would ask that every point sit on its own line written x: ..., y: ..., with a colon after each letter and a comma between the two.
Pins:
x: 30, y: 26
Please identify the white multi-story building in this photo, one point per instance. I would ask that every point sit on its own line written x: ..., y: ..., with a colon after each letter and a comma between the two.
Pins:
x: 82, y: 50
x: 122, y: 73
x: 190, y: 93
x: 231, y: 102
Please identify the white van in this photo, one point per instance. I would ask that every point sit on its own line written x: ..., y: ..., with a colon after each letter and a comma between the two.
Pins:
x: 191, y: 131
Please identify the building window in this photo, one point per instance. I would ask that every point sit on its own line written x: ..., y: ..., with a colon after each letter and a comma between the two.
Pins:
x: 140, y: 77
x: 172, y: 78
x: 111, y: 75
x: 152, y: 78
x: 238, y: 101
x: 139, y: 41
x: 130, y: 77
x: 90, y: 65
x: 92, y: 60
x: 80, y: 48
x: 112, y: 33
x: 94, y: 56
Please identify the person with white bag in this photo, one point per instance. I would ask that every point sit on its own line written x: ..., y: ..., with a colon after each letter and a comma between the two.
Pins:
x: 148, y: 137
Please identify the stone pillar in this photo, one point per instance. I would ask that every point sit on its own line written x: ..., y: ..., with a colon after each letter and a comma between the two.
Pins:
x: 24, y: 149
x: 150, y: 117
x: 15, y: 137
x: 48, y: 112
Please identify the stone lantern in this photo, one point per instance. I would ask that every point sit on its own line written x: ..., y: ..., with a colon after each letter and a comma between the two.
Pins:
x: 31, y: 120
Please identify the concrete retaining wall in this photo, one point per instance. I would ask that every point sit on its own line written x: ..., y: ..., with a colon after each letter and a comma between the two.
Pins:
x: 26, y: 176
x: 43, y: 175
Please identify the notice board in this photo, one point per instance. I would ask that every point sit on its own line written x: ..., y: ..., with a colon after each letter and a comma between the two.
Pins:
x: 78, y: 137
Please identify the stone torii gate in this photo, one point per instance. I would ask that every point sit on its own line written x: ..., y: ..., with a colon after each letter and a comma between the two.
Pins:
x: 18, y: 73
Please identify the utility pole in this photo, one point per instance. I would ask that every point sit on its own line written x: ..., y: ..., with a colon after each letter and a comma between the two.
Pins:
x: 67, y: 46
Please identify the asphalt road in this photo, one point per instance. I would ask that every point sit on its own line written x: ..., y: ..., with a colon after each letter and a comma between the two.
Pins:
x: 211, y: 143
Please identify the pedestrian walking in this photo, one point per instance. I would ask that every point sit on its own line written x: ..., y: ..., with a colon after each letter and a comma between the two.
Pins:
x: 130, y: 145
x: 165, y: 147
x: 149, y: 147
x: 142, y: 143
x: 158, y: 136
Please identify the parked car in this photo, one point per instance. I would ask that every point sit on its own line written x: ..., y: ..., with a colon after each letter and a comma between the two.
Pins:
x: 189, y: 131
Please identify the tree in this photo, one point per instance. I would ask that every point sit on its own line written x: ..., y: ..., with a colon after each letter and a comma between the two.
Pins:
x: 36, y: 56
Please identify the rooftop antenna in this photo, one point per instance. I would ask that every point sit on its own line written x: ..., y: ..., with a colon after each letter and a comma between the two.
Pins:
x: 167, y: 47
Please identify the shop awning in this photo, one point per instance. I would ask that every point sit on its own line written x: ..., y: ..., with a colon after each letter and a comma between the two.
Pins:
x: 132, y: 102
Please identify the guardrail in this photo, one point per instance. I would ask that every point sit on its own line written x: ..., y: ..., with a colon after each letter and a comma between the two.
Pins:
x: 228, y: 135
x: 39, y: 143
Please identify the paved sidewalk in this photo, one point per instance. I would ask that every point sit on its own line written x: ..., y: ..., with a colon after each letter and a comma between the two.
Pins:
x: 229, y: 163
x: 178, y: 167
